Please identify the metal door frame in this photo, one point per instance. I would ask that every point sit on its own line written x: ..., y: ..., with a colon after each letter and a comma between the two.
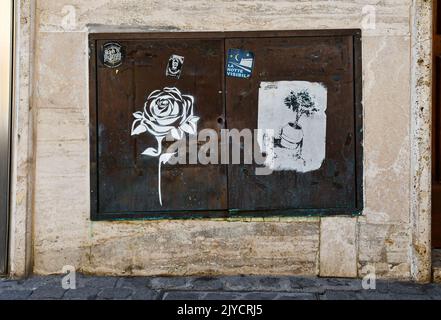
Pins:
x: 6, y: 44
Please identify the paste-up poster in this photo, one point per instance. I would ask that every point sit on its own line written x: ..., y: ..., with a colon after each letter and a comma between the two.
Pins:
x: 292, y: 125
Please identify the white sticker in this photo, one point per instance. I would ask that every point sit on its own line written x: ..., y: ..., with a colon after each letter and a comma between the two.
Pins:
x: 292, y: 125
x: 174, y: 66
x: 112, y: 55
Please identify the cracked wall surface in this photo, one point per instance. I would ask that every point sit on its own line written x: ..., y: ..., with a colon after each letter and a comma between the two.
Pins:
x: 63, y: 233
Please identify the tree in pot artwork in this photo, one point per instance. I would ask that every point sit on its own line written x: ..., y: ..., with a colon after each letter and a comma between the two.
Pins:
x: 292, y: 123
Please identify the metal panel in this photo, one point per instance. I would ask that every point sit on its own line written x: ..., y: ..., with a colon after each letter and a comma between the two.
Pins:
x: 6, y: 27
x: 127, y: 181
x: 336, y: 186
x: 124, y: 183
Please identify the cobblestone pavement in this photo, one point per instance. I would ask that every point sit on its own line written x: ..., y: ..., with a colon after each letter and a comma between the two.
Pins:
x: 212, y: 288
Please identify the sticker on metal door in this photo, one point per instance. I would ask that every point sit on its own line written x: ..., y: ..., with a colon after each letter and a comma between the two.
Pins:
x: 240, y: 63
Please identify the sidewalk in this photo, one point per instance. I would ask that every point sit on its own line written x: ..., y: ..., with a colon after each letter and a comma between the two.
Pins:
x: 212, y: 288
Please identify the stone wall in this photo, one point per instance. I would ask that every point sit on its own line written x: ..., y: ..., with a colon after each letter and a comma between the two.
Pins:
x: 62, y: 231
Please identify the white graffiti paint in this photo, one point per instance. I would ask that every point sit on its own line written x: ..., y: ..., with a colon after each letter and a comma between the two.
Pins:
x: 369, y: 20
x: 293, y: 113
x: 167, y: 112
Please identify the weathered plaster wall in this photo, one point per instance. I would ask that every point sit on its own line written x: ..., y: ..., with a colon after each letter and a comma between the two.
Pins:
x: 421, y: 133
x: 63, y: 233
x: 20, y: 234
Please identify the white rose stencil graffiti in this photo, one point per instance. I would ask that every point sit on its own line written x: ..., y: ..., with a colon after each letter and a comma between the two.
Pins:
x: 292, y: 123
x: 166, y: 112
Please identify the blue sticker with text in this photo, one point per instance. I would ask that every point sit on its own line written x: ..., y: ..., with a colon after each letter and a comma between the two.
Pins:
x: 239, y: 63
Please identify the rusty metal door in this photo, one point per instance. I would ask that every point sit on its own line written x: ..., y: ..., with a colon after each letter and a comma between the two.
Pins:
x: 329, y: 60
x: 126, y: 181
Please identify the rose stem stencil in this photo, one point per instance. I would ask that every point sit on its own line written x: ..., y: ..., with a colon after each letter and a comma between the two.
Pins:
x: 166, y: 111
